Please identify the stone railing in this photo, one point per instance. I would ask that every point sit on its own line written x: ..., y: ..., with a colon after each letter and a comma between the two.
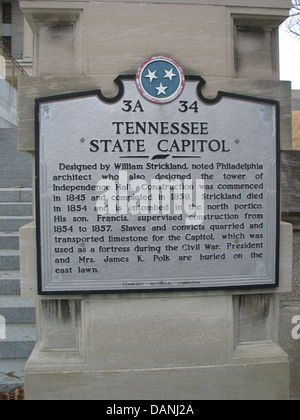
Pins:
x: 10, y: 69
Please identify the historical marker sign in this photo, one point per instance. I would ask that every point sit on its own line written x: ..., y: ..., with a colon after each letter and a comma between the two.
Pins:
x: 157, y: 188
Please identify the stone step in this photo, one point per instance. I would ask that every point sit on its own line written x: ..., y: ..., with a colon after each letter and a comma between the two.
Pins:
x: 13, y: 223
x: 15, y: 195
x: 7, y: 144
x: 11, y: 374
x: 19, y: 342
x: 9, y: 259
x: 8, y: 139
x: 14, y: 165
x: 8, y: 133
x: 17, y: 171
x: 10, y: 282
x: 8, y: 161
x: 14, y: 182
x: 17, y: 311
x: 9, y: 240
x: 15, y: 209
x: 11, y: 146
x: 13, y: 154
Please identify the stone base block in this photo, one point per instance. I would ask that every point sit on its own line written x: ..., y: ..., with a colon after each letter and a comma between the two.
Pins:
x: 265, y: 381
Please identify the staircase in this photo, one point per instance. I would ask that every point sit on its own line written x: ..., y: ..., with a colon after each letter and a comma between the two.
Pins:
x: 15, y: 167
x: 15, y: 211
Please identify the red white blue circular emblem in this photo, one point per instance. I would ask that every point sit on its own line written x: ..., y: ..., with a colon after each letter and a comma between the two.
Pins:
x: 160, y: 79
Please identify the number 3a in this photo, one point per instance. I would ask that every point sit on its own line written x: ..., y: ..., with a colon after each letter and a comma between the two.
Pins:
x: 129, y: 107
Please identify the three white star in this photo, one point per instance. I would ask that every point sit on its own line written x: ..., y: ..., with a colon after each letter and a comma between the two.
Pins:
x: 161, y: 90
x: 151, y: 75
x: 169, y: 74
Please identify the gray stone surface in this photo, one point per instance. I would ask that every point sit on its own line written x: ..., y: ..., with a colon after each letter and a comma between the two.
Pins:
x: 9, y: 259
x: 16, y: 209
x: 290, y: 183
x: 291, y: 345
x: 11, y: 374
x: 290, y: 302
x: 9, y: 240
x: 13, y: 223
x: 296, y: 100
x: 8, y: 105
x: 9, y: 282
x: 19, y: 315
x: 19, y: 342
x: 15, y: 166
x: 17, y: 311
x: 15, y: 195
x: 166, y: 346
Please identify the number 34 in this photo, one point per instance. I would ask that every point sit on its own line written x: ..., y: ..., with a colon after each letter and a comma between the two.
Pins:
x: 185, y: 106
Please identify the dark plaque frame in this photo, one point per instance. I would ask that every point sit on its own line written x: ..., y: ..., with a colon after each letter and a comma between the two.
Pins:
x: 119, y: 81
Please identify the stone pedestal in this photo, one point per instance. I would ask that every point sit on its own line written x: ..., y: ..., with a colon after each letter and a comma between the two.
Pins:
x: 185, y: 345
x: 167, y: 345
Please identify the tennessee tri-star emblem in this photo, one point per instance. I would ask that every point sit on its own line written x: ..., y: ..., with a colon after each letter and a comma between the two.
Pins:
x: 160, y: 79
